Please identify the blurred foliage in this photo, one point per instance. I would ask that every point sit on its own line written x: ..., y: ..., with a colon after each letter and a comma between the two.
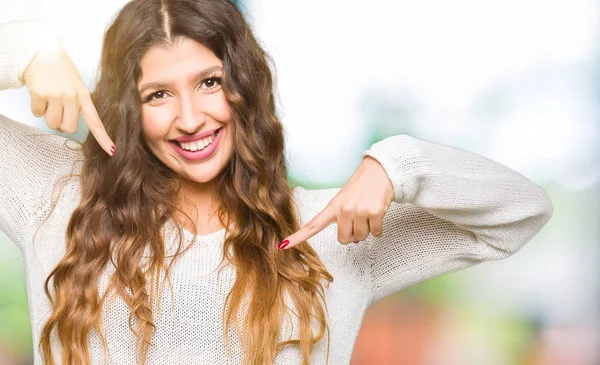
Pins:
x: 15, y: 331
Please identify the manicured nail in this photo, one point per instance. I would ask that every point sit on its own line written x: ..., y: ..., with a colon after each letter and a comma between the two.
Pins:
x: 356, y: 241
x: 112, y: 150
x: 282, y: 244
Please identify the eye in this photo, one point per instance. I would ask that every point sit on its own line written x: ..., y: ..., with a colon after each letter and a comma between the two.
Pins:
x: 157, y: 95
x: 211, y: 82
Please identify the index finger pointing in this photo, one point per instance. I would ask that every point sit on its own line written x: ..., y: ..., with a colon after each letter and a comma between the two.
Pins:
x: 92, y: 120
x: 316, y: 225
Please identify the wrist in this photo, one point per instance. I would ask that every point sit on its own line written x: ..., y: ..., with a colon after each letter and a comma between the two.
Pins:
x: 387, y: 181
x: 49, y: 50
x: 36, y: 37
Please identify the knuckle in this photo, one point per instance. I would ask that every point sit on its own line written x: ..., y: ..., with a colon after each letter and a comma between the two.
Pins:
x: 52, y: 120
x: 70, y: 95
x: 52, y: 123
x: 69, y: 128
x: 363, y: 212
x: 346, y: 209
x: 377, y: 211
x: 84, y: 93
x: 41, y: 94
x: 377, y: 230
x: 54, y: 95
x: 373, y: 212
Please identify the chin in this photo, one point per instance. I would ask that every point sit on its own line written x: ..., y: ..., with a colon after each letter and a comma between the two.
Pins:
x: 202, y: 177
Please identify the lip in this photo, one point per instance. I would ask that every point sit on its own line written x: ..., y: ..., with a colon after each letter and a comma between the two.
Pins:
x: 206, y: 153
x: 195, y: 137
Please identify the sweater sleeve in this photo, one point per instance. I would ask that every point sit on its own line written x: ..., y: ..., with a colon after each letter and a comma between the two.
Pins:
x: 31, y: 158
x: 452, y: 209
x: 19, y: 42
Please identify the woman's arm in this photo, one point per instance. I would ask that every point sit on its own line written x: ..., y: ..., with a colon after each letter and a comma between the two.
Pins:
x: 19, y: 41
x: 452, y: 209
x: 30, y: 158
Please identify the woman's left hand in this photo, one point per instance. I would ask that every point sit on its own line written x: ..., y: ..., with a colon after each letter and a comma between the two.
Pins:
x: 358, y: 208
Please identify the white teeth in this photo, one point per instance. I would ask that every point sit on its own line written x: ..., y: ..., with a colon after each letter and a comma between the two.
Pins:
x: 198, y: 145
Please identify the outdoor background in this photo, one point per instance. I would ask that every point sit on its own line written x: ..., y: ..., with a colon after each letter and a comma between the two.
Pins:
x: 517, y: 81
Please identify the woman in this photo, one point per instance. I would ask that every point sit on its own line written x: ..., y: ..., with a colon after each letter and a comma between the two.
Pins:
x: 103, y: 229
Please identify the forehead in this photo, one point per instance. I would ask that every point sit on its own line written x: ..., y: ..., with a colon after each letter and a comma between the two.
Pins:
x: 171, y: 62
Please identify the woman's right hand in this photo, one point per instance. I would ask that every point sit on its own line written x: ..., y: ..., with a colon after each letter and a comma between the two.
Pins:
x: 58, y: 93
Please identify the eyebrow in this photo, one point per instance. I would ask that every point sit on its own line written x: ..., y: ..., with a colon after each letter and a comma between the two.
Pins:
x: 198, y: 75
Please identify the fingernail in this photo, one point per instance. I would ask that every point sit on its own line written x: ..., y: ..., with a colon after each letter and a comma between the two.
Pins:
x: 356, y: 241
x: 282, y: 244
x: 112, y: 150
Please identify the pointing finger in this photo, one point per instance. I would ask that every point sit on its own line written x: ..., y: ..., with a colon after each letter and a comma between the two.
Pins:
x: 92, y: 120
x: 316, y: 225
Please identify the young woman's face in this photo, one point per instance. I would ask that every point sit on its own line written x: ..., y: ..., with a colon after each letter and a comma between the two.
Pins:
x: 182, y: 97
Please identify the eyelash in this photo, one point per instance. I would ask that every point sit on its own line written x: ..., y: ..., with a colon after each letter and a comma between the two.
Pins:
x: 217, y: 79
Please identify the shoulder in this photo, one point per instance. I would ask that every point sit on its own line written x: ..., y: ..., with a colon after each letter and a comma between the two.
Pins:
x: 36, y: 160
x: 39, y: 144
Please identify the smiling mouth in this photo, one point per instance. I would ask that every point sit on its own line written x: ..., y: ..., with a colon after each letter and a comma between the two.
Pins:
x: 204, y: 152
x: 214, y: 135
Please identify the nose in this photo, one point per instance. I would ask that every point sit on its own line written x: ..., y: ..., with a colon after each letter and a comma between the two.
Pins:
x: 190, y: 115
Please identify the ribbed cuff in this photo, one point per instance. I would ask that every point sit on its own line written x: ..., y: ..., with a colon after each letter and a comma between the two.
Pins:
x: 402, y: 159
x: 19, y: 42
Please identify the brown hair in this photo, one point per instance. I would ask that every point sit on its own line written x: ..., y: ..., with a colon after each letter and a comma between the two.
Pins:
x: 127, y: 199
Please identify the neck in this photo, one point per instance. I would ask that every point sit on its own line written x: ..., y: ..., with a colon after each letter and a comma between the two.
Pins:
x: 196, y: 201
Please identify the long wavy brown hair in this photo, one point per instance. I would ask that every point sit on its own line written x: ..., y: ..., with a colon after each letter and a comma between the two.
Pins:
x: 126, y: 200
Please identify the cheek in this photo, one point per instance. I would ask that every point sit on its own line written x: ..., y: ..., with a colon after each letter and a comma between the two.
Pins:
x: 222, y: 109
x: 153, y: 125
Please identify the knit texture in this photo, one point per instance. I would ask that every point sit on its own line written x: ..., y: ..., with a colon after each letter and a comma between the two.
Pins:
x: 452, y: 209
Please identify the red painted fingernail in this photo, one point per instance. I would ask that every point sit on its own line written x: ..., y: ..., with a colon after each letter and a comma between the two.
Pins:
x: 283, y: 244
x: 112, y: 150
x: 356, y: 241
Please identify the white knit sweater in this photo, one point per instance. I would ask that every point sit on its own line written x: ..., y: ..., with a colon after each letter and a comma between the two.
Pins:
x: 453, y: 209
